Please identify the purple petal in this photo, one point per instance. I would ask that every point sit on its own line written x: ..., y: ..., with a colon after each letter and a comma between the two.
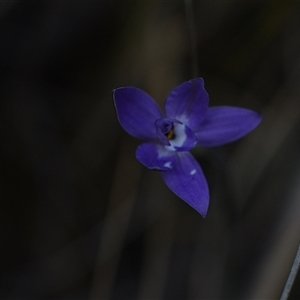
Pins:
x: 136, y: 112
x: 188, y: 103
x: 225, y: 124
x: 183, y: 140
x: 155, y: 156
x: 187, y: 181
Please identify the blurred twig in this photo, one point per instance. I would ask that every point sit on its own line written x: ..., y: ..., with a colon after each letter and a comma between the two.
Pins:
x: 292, y: 276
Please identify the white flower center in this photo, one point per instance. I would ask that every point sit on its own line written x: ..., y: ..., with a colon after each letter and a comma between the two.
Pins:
x: 179, y: 137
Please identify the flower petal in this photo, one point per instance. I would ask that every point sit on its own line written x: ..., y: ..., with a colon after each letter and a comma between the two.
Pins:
x: 136, y: 112
x: 155, y: 156
x: 184, y: 138
x: 225, y: 124
x: 188, y: 103
x: 187, y: 181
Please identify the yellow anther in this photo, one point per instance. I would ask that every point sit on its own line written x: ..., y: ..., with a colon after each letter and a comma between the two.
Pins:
x: 170, y: 134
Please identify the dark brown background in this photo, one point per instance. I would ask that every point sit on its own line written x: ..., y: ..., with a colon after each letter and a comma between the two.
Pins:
x: 80, y: 217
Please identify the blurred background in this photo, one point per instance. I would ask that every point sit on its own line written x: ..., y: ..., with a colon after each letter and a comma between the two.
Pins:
x: 80, y: 217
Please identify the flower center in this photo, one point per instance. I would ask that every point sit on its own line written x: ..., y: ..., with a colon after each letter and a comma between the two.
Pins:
x: 165, y: 130
x: 171, y: 134
x: 174, y: 135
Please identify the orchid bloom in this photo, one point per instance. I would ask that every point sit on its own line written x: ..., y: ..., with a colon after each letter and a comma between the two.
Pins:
x: 169, y: 137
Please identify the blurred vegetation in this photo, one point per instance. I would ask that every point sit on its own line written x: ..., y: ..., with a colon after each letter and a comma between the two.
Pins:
x: 80, y: 217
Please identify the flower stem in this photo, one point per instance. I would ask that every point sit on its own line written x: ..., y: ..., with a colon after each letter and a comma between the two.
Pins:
x: 292, y: 276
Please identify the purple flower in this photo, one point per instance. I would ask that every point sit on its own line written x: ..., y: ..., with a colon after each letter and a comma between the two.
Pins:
x: 169, y: 137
